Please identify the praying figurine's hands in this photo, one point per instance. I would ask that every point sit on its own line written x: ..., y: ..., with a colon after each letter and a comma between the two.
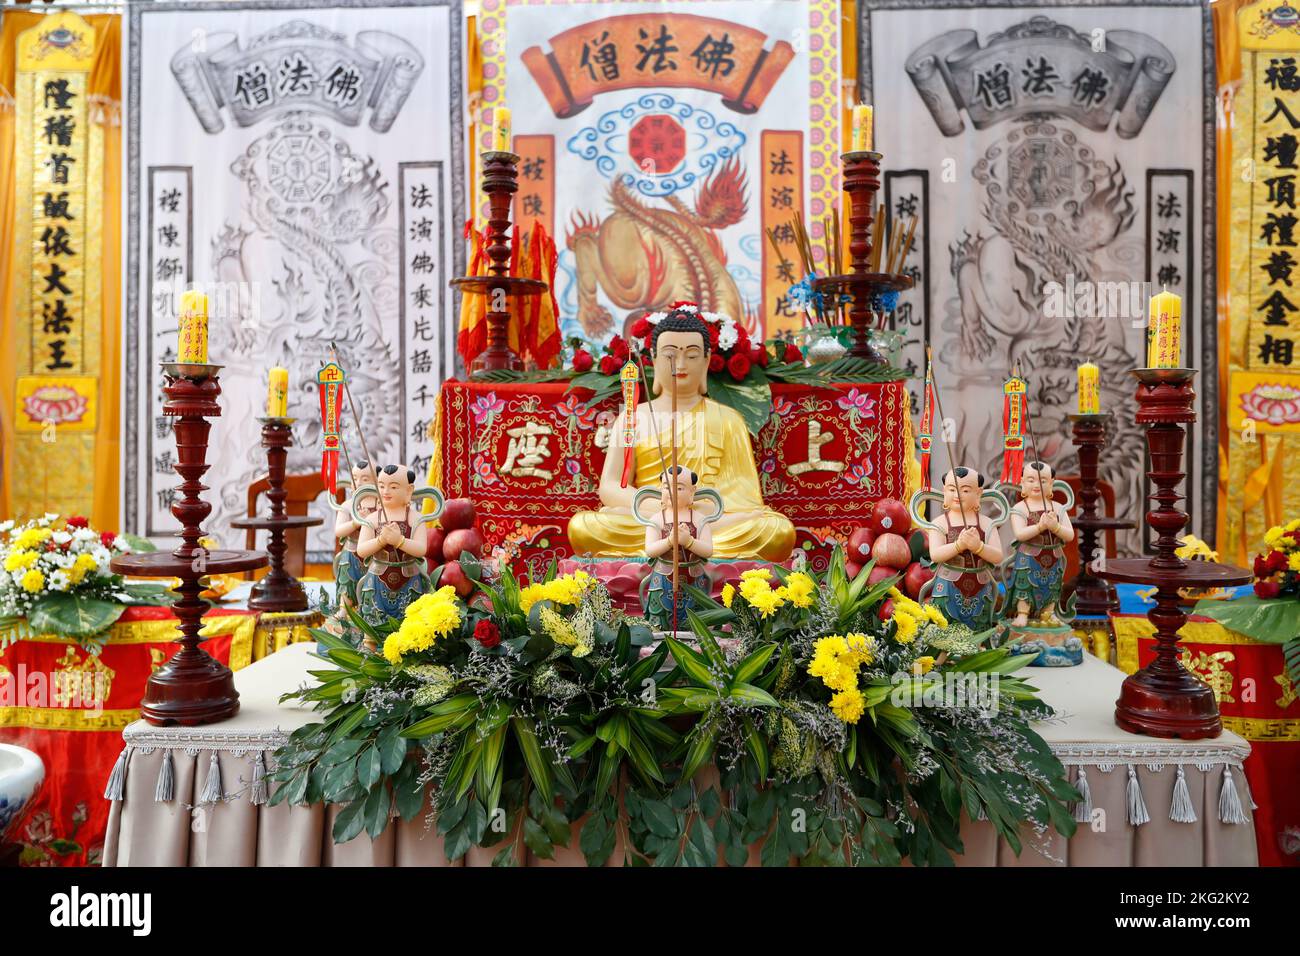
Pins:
x: 968, y: 540
x: 391, y: 535
x: 683, y: 537
x: 1050, y: 521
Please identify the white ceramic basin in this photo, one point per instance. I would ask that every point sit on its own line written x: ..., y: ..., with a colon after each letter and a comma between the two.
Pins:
x: 21, y: 773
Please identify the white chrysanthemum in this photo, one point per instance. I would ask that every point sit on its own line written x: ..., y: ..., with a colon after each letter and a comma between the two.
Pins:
x: 727, y: 335
x: 46, y: 519
x: 59, y: 581
x: 61, y: 537
x: 6, y: 579
x: 85, y: 534
x: 120, y: 544
x: 101, y: 556
x: 6, y: 525
x: 60, y: 559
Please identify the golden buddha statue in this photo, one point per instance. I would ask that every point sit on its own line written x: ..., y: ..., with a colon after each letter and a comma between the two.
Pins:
x: 712, y: 441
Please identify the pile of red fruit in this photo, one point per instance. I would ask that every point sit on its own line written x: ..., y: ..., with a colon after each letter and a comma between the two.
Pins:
x: 451, y: 537
x: 897, y: 549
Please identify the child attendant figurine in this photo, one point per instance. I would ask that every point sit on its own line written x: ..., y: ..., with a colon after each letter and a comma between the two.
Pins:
x: 964, y: 545
x: 1035, y: 571
x: 348, y: 568
x: 693, y: 541
x: 393, y: 545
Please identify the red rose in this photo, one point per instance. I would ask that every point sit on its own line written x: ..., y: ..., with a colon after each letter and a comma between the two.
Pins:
x: 738, y: 366
x: 486, y: 633
x: 1261, y: 566
x: 758, y: 355
x: 640, y: 328
x: 742, y: 341
x: 1267, y: 589
x: 77, y: 521
x: 608, y: 365
x: 792, y: 353
x: 107, y: 538
x: 1274, y: 562
x: 582, y: 361
x: 716, y: 362
x: 618, y: 348
x: 713, y: 336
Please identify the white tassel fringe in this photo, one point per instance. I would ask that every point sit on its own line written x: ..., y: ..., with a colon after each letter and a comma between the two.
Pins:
x: 212, y: 792
x: 165, y: 791
x: 1229, y: 803
x: 1137, y: 808
x: 1181, y: 809
x: 1083, y: 806
x: 116, y: 787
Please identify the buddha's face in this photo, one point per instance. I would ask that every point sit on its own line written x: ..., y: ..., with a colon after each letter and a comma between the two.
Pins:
x: 682, y: 359
x: 394, y: 490
x: 1034, y: 483
x: 966, y: 489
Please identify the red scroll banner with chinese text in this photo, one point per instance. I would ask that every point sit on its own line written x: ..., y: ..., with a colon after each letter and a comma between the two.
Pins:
x: 56, y: 259
x: 633, y: 51
x: 530, y: 456
x: 330, y: 380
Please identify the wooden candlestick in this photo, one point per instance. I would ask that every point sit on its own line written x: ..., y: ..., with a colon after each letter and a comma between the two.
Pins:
x: 192, y: 687
x: 500, y: 183
x: 861, y: 183
x: 277, y: 590
x: 1094, y: 597
x: 1163, y: 699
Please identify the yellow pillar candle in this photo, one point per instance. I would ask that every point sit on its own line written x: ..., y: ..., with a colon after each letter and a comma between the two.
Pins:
x: 1164, y: 331
x: 862, y: 116
x: 1089, y: 389
x: 277, y: 393
x: 501, y: 129
x: 192, y: 346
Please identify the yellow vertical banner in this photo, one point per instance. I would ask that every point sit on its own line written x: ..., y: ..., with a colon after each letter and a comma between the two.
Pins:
x: 1263, y: 394
x: 56, y: 261
x: 781, y: 154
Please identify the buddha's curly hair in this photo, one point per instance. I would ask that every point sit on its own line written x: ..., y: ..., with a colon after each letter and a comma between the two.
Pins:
x: 679, y: 321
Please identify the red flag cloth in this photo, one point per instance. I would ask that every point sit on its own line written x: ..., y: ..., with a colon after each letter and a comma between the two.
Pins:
x: 1015, y: 405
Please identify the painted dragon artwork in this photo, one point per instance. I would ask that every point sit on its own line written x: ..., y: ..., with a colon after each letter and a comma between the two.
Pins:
x: 314, y: 217
x: 1051, y: 209
x: 643, y: 256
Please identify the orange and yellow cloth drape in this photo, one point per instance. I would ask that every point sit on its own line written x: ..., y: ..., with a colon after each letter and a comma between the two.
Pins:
x: 61, y: 270
x: 1259, y: 368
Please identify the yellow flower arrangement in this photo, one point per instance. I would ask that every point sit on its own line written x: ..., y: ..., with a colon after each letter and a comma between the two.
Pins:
x: 32, y: 581
x: 756, y: 574
x: 567, y: 589
x: 430, y: 617
x: 836, y: 660
x: 728, y: 593
x: 563, y: 633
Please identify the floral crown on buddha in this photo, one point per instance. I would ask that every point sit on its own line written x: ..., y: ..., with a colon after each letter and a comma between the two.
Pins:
x: 728, y: 333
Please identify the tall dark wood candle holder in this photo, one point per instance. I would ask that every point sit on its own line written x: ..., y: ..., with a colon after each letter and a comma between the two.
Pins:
x: 1093, y: 596
x: 861, y: 175
x: 193, y: 687
x: 1163, y: 699
x: 500, y: 183
x: 277, y: 590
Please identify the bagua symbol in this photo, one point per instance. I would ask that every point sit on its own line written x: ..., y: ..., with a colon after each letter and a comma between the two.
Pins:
x: 76, y: 909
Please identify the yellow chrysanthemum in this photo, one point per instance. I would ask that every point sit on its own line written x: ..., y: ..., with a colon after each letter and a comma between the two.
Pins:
x: 31, y: 537
x: 85, y: 562
x: 922, y: 665
x: 728, y: 592
x: 767, y: 603
x: 752, y: 587
x: 1293, y: 562
x: 935, y: 616
x: 860, y: 647
x: 530, y: 595
x: 20, y: 560
x: 799, y: 589
x: 756, y: 574
x: 75, y: 574
x: 392, y: 648
x: 563, y: 632
x: 905, y: 627
x: 32, y: 581
x: 1292, y: 525
x: 848, y: 705
x: 429, y: 617
x: 567, y: 589
x: 1273, y: 537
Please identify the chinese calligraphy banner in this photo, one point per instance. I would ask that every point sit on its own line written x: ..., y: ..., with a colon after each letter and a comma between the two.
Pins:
x: 58, y: 166
x: 684, y: 132
x: 1058, y: 158
x: 301, y: 163
x: 1264, y: 306
x: 531, y: 455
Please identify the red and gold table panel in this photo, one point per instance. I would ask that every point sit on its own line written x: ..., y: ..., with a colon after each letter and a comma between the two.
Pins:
x: 1257, y: 700
x: 530, y: 456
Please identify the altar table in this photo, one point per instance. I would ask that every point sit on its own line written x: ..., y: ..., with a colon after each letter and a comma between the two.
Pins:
x: 1257, y: 701
x: 530, y: 455
x: 45, y: 678
x: 225, y: 821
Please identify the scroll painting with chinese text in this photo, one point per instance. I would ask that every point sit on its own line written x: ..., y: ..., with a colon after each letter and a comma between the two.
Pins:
x: 302, y: 164
x: 1059, y: 158
x: 1264, y: 298
x: 59, y: 151
x: 659, y: 142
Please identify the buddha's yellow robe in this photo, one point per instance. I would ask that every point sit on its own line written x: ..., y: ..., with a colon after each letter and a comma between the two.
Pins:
x: 714, y: 443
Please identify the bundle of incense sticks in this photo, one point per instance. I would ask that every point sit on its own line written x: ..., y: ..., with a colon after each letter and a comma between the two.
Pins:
x: 891, y: 241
